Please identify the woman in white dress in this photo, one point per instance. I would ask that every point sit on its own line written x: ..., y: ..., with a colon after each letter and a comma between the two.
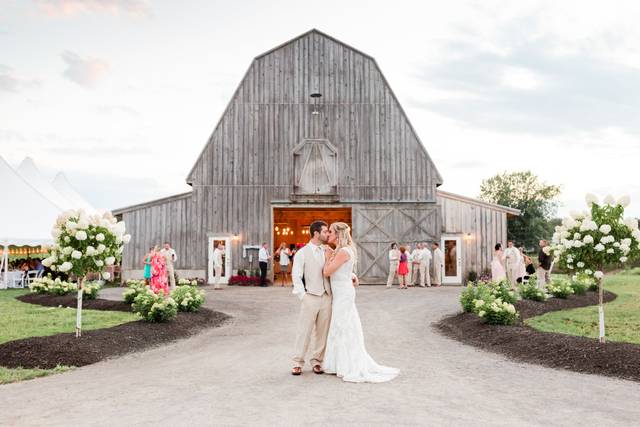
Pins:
x: 346, y: 355
x: 498, y: 271
x: 284, y: 254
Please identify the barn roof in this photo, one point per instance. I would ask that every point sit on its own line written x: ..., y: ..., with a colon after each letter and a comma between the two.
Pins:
x: 509, y: 211
x: 438, y: 176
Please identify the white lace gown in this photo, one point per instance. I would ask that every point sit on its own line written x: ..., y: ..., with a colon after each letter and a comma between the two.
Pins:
x: 346, y: 355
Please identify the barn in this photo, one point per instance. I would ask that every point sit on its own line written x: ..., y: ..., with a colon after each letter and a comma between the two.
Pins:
x: 313, y: 131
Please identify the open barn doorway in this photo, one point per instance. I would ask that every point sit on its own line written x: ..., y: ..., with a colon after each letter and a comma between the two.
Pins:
x: 291, y: 231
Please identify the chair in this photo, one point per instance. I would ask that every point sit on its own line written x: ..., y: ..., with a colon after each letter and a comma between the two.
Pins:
x: 16, y: 279
x: 32, y: 275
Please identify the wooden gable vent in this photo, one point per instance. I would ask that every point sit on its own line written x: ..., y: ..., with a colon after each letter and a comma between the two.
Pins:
x: 315, y: 168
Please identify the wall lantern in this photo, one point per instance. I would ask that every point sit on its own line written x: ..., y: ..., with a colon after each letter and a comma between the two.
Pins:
x: 316, y: 97
x: 236, y: 236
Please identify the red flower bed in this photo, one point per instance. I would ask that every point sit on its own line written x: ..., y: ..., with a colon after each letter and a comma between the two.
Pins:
x: 245, y: 281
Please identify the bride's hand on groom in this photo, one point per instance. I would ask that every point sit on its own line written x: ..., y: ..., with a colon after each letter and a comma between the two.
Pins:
x: 328, y: 253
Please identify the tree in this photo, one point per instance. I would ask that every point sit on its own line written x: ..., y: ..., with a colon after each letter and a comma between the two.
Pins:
x: 588, y: 241
x: 535, y: 200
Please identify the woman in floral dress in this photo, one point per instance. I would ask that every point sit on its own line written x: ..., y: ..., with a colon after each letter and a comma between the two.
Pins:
x: 159, y: 272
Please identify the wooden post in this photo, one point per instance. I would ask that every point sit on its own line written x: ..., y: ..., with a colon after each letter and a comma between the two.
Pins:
x: 601, y: 309
x: 79, y: 308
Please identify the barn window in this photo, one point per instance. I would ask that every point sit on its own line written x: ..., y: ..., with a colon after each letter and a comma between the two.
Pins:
x: 315, y: 166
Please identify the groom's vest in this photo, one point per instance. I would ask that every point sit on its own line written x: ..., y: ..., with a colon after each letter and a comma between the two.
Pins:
x: 314, y: 281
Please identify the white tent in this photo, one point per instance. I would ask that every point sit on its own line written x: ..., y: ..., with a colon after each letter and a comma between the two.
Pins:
x: 30, y: 173
x: 64, y: 187
x: 26, y: 216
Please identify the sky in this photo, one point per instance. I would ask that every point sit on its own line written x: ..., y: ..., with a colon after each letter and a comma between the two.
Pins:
x: 122, y: 95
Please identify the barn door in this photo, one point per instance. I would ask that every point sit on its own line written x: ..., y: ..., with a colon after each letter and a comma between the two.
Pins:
x: 315, y: 167
x: 375, y: 228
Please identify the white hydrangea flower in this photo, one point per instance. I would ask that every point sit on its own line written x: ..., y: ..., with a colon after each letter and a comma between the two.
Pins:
x: 623, y: 259
x: 636, y: 234
x: 610, y: 251
x: 580, y: 264
x: 101, y: 248
x: 126, y: 238
x: 588, y: 239
x: 578, y: 244
x: 67, y: 250
x: 568, y: 222
x: 91, y: 251
x: 599, y: 247
x: 99, y: 262
x: 81, y: 235
x: 546, y: 250
x: 591, y: 199
x: 598, y: 274
x: 76, y: 254
x: 110, y: 260
x: 67, y: 239
x: 71, y: 225
x: 624, y: 201
x: 99, y: 237
x: 605, y: 228
x: 106, y: 275
x: 609, y: 200
x: 632, y: 223
x: 65, y: 266
x: 577, y: 236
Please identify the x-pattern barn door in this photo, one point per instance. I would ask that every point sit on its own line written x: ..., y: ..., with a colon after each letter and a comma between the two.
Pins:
x: 376, y: 227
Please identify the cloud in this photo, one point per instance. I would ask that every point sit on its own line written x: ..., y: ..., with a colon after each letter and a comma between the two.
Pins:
x: 116, y: 109
x: 84, y: 71
x: 11, y: 83
x: 63, y: 8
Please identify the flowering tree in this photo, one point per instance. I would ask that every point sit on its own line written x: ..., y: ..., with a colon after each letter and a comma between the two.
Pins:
x: 86, y: 244
x: 588, y: 241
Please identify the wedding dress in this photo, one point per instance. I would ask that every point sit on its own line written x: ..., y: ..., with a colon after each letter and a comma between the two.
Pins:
x: 346, y: 355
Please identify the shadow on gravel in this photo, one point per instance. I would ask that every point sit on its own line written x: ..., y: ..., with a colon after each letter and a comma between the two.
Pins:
x: 524, y: 344
x: 100, y: 344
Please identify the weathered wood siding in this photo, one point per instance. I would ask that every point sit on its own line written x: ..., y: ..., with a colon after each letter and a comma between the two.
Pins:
x: 486, y: 225
x: 153, y: 224
x: 379, y: 155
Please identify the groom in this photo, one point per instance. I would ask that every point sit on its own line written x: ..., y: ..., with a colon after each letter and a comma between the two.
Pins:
x: 314, y: 290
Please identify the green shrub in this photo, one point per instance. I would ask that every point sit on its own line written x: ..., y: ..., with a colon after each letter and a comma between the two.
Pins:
x: 472, y: 276
x: 496, y: 312
x: 187, y: 282
x: 136, y: 287
x: 188, y: 298
x: 531, y: 292
x: 504, y: 291
x: 560, y: 288
x: 471, y: 293
x: 47, y: 285
x: 90, y: 290
x: 153, y: 307
x: 579, y: 288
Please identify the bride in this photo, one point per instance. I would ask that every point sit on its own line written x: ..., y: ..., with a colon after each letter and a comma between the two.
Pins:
x: 346, y: 355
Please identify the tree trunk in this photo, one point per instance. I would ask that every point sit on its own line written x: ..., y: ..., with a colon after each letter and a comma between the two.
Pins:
x: 79, y: 309
x: 601, y: 309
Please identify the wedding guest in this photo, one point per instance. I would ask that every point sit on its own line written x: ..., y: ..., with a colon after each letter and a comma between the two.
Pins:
x: 513, y: 261
x: 497, y: 264
x: 158, y: 272
x: 523, y: 274
x: 147, y: 266
x: 263, y: 260
x: 438, y: 264
x: 284, y: 254
x: 544, y: 265
x: 424, y: 267
x: 403, y: 268
x: 416, y: 260
x: 409, y: 278
x: 170, y: 257
x: 394, y: 259
x: 217, y: 265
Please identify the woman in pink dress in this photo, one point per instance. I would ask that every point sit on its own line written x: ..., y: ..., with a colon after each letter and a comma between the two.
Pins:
x: 497, y: 265
x: 403, y: 268
x: 159, y: 272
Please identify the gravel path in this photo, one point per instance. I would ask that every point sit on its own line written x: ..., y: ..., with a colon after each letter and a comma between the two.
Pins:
x: 239, y: 375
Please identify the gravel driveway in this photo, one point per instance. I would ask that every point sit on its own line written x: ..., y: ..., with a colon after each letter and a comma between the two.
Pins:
x: 239, y: 375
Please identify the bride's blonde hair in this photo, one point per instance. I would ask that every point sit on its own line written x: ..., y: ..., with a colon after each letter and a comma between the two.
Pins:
x: 344, y: 240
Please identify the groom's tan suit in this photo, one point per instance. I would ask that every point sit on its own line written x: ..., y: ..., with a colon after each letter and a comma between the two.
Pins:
x: 315, y: 310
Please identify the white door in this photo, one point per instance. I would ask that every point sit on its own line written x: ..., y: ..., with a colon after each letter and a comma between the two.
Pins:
x: 452, y: 249
x: 226, y: 262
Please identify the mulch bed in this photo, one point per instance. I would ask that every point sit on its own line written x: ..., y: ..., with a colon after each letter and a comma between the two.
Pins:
x: 525, y: 344
x: 100, y: 344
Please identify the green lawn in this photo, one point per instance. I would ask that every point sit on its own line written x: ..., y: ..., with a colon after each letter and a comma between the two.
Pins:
x: 622, y: 316
x: 21, y: 320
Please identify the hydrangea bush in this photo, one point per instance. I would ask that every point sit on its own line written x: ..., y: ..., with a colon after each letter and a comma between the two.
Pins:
x: 187, y: 282
x: 560, y: 288
x: 188, y: 298
x: 531, y: 292
x: 91, y: 289
x: 153, y: 307
x: 85, y: 244
x: 471, y: 293
x: 496, y: 312
x: 485, y: 299
x: 135, y: 288
x: 47, y: 285
x: 588, y: 241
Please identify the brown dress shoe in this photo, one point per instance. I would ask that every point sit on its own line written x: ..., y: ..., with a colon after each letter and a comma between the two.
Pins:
x: 318, y: 370
x: 296, y: 371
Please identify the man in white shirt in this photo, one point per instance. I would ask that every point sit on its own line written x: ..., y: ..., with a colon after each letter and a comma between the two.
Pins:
x: 409, y: 278
x: 423, y: 257
x: 217, y: 265
x: 512, y: 256
x: 170, y: 257
x: 438, y: 264
x: 263, y: 261
x: 394, y: 261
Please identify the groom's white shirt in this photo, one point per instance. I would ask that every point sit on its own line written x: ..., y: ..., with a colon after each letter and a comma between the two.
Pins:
x: 298, y: 266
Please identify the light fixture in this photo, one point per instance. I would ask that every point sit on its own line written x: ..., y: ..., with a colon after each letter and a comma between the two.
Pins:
x: 316, y: 97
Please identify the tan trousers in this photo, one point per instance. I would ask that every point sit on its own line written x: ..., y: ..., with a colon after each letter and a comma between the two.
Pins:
x: 544, y: 277
x: 421, y: 269
x: 393, y: 271
x: 217, y: 271
x: 172, y: 276
x: 409, y: 279
x: 315, y: 312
